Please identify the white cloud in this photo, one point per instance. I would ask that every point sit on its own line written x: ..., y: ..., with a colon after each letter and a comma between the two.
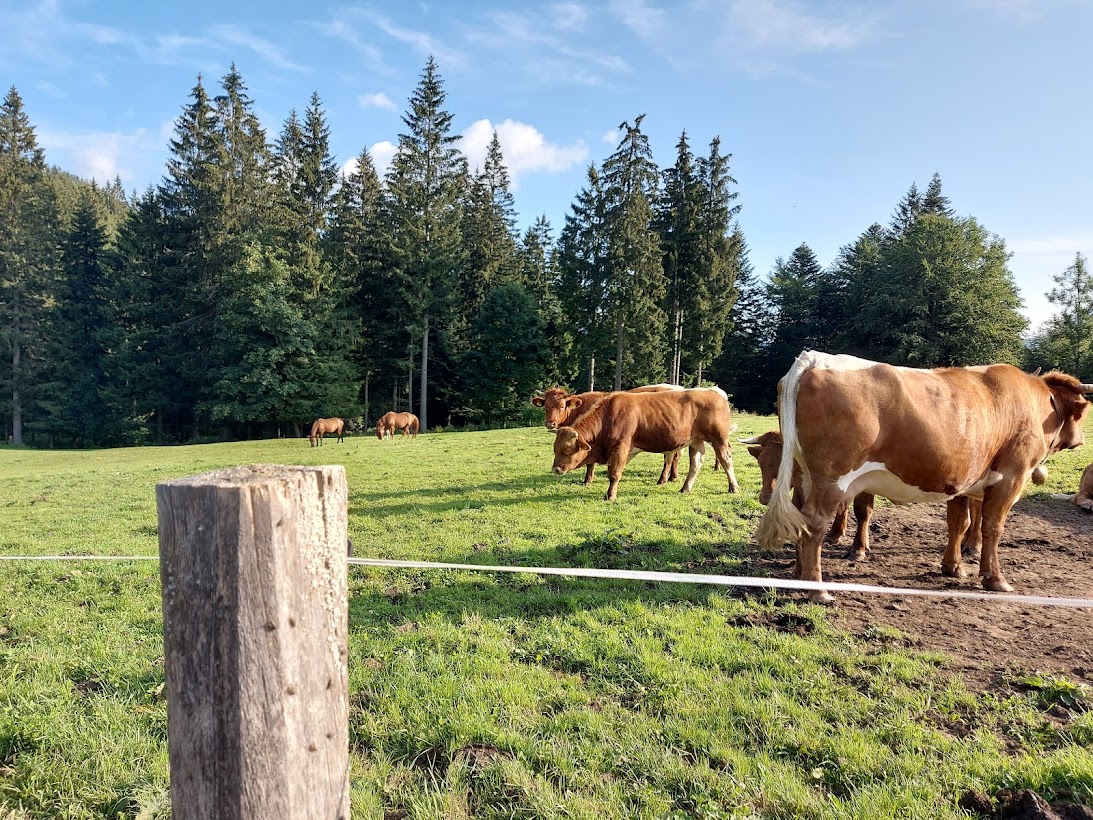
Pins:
x: 524, y: 148
x: 611, y: 137
x: 236, y: 35
x: 569, y: 16
x: 640, y: 17
x: 422, y: 42
x: 788, y: 27
x: 99, y: 155
x: 382, y: 153
x: 376, y: 100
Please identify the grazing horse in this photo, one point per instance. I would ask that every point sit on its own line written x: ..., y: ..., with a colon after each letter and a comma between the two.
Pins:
x: 322, y: 426
x: 392, y: 421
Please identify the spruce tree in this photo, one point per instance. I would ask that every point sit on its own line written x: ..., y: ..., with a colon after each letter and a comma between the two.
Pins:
x: 28, y: 258
x: 80, y: 416
x: 426, y: 183
x: 635, y: 285
x: 793, y: 292
x: 583, y: 273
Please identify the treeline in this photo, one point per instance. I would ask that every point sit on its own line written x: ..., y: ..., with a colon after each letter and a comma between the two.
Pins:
x: 256, y: 288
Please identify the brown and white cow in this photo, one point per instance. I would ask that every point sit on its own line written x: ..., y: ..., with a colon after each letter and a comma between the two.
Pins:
x: 1084, y: 496
x: 563, y: 408
x: 623, y: 424
x: 949, y: 434
x: 767, y: 450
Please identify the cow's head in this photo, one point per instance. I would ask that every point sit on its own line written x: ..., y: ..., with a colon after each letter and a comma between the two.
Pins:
x: 767, y: 450
x: 570, y: 450
x: 350, y: 426
x: 559, y: 406
x: 380, y: 429
x: 1063, y: 428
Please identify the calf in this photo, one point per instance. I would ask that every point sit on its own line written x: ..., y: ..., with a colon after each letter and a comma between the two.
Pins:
x: 623, y: 424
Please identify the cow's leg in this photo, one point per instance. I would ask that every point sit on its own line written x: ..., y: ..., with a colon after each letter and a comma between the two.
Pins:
x: 863, y: 512
x: 669, y: 472
x: 724, y: 455
x: 956, y: 519
x: 616, y: 463
x: 695, y: 451
x: 838, y: 526
x: 997, y: 501
x: 589, y: 474
x: 819, y: 508
x: 972, y: 545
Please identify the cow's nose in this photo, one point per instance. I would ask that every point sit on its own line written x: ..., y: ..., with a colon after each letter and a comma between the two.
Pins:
x: 558, y: 471
x: 551, y: 426
x: 764, y: 498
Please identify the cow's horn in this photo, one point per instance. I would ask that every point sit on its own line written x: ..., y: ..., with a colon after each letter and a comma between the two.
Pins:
x: 752, y: 440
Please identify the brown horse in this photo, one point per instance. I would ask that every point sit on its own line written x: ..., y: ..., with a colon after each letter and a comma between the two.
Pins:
x: 392, y: 421
x: 322, y: 426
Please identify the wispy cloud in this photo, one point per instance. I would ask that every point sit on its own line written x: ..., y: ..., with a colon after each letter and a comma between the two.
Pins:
x: 237, y: 35
x: 345, y: 30
x: 421, y: 41
x: 787, y: 27
x: 377, y: 100
x: 611, y: 137
x: 524, y: 148
x: 640, y: 16
x: 568, y: 16
x: 101, y: 155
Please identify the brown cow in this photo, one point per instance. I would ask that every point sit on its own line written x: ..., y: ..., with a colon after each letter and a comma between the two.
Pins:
x: 767, y: 450
x: 563, y: 408
x: 321, y: 427
x: 622, y: 424
x: 947, y: 434
x: 391, y: 421
x: 1084, y: 497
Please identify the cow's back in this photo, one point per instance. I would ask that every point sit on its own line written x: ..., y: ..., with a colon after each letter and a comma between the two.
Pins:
x: 657, y: 421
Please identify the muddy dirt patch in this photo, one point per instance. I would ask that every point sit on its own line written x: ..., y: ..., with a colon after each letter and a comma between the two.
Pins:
x: 1046, y: 549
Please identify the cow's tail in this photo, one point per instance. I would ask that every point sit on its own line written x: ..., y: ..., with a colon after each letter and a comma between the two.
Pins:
x: 782, y: 522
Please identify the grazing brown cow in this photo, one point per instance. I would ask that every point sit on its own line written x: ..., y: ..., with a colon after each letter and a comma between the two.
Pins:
x: 321, y: 427
x: 948, y: 434
x: 623, y: 424
x: 563, y: 408
x: 1084, y: 497
x: 391, y: 421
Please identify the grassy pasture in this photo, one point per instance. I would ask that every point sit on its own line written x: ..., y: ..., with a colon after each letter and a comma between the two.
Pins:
x: 508, y: 696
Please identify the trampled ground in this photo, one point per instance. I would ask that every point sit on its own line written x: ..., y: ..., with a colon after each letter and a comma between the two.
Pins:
x: 1046, y: 549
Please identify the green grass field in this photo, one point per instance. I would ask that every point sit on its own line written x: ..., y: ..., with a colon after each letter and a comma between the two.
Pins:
x: 506, y: 696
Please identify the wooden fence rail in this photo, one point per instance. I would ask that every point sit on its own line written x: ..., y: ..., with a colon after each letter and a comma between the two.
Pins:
x: 255, y: 611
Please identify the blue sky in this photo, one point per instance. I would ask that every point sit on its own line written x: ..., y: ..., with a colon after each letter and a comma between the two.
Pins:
x: 830, y: 109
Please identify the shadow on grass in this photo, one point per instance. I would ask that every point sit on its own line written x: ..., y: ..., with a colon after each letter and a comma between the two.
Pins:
x: 410, y: 595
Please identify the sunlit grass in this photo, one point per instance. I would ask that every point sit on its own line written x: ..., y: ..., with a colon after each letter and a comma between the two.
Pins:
x: 490, y: 696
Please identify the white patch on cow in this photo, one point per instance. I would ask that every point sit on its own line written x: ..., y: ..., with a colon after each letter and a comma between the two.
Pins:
x: 874, y: 477
x: 989, y: 480
x: 841, y: 361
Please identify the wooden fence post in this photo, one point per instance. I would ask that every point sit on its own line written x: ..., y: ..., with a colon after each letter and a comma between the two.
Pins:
x: 255, y: 623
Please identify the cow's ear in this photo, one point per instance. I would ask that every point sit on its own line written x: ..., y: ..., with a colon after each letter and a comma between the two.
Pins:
x: 538, y: 401
x: 755, y: 451
x: 582, y: 444
x: 573, y: 402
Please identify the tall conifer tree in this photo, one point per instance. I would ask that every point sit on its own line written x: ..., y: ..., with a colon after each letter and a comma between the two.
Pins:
x: 426, y: 183
x: 28, y: 257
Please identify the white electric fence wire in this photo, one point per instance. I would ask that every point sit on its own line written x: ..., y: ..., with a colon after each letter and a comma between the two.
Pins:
x: 656, y: 577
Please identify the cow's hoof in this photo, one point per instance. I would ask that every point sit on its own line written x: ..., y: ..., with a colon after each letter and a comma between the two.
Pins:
x: 661, y: 481
x: 821, y: 596
x: 996, y: 584
x: 857, y: 555
x: 1086, y: 505
x: 954, y: 572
